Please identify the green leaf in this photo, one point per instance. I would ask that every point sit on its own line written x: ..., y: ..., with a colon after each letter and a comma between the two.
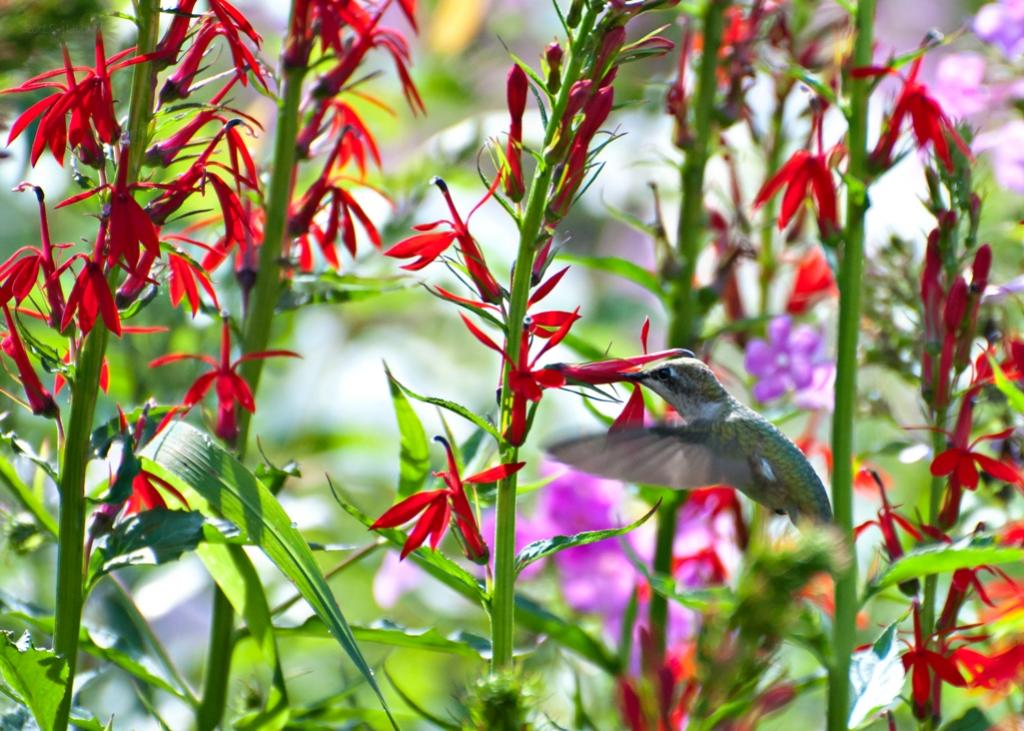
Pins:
x: 414, y: 455
x: 536, y: 618
x: 386, y: 632
x: 27, y: 496
x: 234, y: 573
x: 453, y: 407
x: 876, y: 677
x: 945, y: 557
x: 1013, y: 395
x: 542, y: 549
x: 151, y: 537
x: 190, y: 461
x: 972, y: 720
x: 618, y: 267
x: 95, y: 642
x: 38, y: 677
x: 329, y: 287
x: 22, y: 448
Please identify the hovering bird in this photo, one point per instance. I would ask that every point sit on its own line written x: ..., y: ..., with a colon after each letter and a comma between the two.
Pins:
x: 720, y: 441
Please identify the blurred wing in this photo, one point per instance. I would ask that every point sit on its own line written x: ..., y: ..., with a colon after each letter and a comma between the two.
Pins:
x: 676, y: 457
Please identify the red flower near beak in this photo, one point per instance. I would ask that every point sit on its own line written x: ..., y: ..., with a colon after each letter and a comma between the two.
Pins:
x: 231, y: 388
x: 438, y: 507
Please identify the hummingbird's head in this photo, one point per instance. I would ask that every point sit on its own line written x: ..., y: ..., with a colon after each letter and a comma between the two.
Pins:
x: 687, y: 384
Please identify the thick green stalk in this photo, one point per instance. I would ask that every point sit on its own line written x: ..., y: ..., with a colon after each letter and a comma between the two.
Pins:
x: 850, y: 274
x: 931, y: 582
x: 684, y: 329
x: 71, y: 526
x: 84, y: 392
x: 503, y: 596
x: 255, y: 338
x: 685, y: 326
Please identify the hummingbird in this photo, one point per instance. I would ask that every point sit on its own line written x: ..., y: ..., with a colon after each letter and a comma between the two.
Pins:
x: 720, y: 441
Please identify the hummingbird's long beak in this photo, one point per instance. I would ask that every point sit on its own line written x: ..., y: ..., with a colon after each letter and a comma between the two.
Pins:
x: 635, y: 377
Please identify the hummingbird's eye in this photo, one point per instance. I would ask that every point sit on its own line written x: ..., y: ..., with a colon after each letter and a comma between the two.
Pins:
x: 663, y: 374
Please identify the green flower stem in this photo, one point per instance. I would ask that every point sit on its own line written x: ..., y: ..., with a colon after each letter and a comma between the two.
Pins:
x: 850, y: 273
x: 684, y: 329
x: 71, y: 526
x: 503, y: 596
x: 255, y: 338
x: 778, y: 142
x: 84, y: 392
x: 931, y: 582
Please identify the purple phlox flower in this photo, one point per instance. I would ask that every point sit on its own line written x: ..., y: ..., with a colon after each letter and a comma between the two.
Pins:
x: 1006, y: 148
x: 394, y: 578
x: 959, y: 84
x: 998, y: 292
x: 1002, y: 24
x: 792, y: 359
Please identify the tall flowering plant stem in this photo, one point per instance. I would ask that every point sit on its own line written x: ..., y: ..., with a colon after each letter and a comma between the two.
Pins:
x: 84, y: 392
x: 685, y: 323
x: 503, y: 596
x: 256, y: 336
x: 850, y: 274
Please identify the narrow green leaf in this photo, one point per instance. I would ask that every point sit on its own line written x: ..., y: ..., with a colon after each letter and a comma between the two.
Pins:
x: 536, y: 618
x: 619, y: 267
x: 37, y: 676
x: 22, y: 448
x: 542, y: 549
x: 151, y: 537
x: 944, y: 558
x: 234, y: 573
x: 414, y: 454
x: 94, y: 642
x: 876, y: 678
x: 453, y: 407
x: 27, y: 496
x: 385, y: 632
x: 331, y: 288
x: 190, y: 461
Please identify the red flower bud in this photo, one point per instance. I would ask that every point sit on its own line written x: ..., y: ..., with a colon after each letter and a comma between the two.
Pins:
x: 553, y: 61
x: 956, y: 305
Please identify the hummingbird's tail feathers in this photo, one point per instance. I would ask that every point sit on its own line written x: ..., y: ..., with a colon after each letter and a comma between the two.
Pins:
x: 668, y: 456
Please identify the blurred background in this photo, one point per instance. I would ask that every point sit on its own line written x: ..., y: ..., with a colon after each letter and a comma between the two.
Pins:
x: 332, y: 410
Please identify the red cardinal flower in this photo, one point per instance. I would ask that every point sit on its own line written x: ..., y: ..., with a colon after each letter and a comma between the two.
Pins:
x: 928, y: 120
x: 231, y: 388
x: 18, y: 275
x: 526, y: 381
x: 184, y: 280
x: 814, y: 281
x: 887, y: 521
x: 924, y: 664
x: 805, y: 177
x: 515, y: 88
x: 964, y: 462
x: 91, y: 296
x: 438, y: 507
x: 130, y: 228
x: 40, y: 400
x: 430, y: 244
x: 90, y: 102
